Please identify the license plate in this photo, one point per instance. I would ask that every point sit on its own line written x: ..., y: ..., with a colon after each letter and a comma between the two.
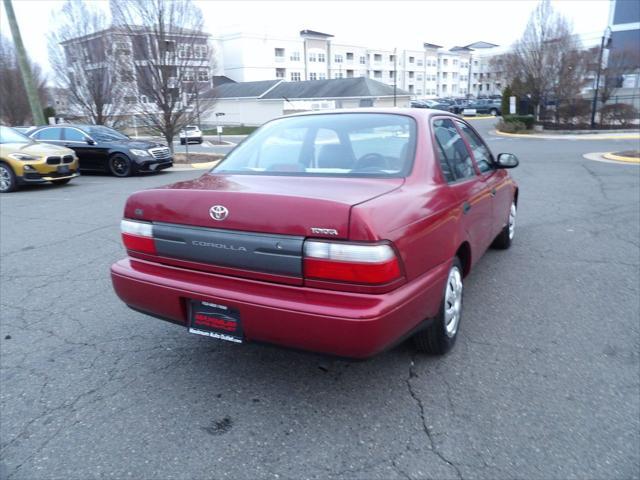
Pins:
x: 63, y: 169
x: 214, y: 320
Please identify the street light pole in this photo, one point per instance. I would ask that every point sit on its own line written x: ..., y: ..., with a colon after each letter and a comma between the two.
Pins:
x: 395, y: 74
x: 594, y: 103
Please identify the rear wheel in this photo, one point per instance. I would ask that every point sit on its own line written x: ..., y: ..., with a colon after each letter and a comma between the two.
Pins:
x: 120, y: 165
x: 441, y: 335
x: 7, y: 179
x: 504, y: 239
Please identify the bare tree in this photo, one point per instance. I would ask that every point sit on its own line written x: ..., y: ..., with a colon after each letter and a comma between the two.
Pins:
x: 14, y: 105
x: 172, y: 58
x: 536, y: 61
x: 83, y: 57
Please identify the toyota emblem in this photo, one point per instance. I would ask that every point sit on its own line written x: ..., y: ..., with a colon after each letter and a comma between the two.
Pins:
x: 218, y: 212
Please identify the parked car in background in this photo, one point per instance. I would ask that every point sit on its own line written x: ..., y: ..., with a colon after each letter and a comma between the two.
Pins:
x: 190, y: 133
x: 340, y: 232
x: 103, y: 149
x: 483, y: 106
x: 430, y: 104
x: 24, y: 161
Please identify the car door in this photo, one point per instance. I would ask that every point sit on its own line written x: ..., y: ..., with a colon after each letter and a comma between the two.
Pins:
x: 471, y: 191
x: 495, y: 179
x: 88, y: 155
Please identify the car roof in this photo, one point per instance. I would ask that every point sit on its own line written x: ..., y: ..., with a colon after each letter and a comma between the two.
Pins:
x: 406, y: 111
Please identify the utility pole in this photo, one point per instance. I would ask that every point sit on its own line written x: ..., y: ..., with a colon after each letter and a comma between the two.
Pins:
x: 25, y: 68
x: 595, y: 95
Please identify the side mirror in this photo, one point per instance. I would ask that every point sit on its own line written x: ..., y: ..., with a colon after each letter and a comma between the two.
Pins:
x: 507, y: 160
x: 89, y: 141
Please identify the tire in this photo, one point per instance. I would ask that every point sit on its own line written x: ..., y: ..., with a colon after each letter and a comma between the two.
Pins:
x: 440, y: 336
x: 493, y: 112
x: 505, y: 237
x: 61, y: 182
x: 120, y: 165
x: 7, y: 179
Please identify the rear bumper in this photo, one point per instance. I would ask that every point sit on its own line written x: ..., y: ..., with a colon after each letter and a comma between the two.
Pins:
x: 338, y: 323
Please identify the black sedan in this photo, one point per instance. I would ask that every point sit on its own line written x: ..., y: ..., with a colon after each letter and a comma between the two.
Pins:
x: 103, y: 149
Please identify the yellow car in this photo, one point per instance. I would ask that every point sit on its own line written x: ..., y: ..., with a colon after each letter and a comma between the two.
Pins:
x: 24, y: 161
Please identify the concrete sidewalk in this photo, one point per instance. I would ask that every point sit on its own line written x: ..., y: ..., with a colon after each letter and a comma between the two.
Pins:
x: 603, y: 135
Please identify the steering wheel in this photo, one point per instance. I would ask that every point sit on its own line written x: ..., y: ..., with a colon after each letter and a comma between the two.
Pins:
x: 372, y: 162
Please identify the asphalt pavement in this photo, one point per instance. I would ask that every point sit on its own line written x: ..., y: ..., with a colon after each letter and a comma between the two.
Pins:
x: 543, y: 382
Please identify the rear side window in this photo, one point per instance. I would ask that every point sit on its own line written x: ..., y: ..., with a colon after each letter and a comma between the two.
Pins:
x: 343, y: 144
x: 48, y: 134
x: 452, y: 151
x: 481, y: 152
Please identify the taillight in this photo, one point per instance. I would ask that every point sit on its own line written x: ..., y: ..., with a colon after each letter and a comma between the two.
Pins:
x: 138, y: 236
x: 349, y: 262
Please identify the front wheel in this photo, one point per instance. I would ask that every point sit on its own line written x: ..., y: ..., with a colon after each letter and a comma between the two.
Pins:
x: 505, y: 237
x: 120, y: 165
x: 441, y: 335
x: 493, y: 112
x: 7, y: 179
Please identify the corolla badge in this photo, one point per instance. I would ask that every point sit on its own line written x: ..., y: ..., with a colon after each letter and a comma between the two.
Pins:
x: 218, y: 212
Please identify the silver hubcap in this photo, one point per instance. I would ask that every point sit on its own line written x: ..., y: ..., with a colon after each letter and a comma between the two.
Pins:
x: 512, y: 221
x: 5, y: 178
x: 453, y: 302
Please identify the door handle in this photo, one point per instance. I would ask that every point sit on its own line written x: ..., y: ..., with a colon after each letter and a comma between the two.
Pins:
x: 466, y: 206
x: 493, y: 192
x: 68, y: 145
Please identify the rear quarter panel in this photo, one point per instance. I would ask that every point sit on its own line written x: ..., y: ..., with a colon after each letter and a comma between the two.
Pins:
x: 421, y: 218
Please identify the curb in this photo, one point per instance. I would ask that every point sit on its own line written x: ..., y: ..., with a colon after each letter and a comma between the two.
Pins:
x: 584, y: 136
x: 601, y: 157
x: 620, y: 158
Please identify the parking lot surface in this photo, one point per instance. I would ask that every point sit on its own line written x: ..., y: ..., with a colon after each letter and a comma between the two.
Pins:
x: 543, y: 382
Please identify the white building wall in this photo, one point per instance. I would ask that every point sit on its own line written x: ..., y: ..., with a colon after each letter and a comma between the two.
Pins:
x: 246, y: 111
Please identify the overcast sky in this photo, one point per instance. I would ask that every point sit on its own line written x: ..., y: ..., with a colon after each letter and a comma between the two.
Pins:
x: 379, y: 24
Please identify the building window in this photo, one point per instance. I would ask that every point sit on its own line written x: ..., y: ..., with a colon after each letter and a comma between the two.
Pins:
x: 295, y: 76
x: 312, y: 57
x: 338, y: 58
x: 295, y: 57
x: 338, y: 75
x: 203, y: 75
x: 411, y: 74
x: 130, y: 100
x: 280, y: 73
x: 188, y: 75
x: 322, y: 76
x: 392, y: 58
x: 419, y: 63
x: 419, y: 77
x: 445, y: 62
x: 349, y: 56
x: 321, y: 57
x: 313, y: 76
x: 363, y: 60
x: 377, y: 57
x: 410, y: 88
x: 444, y: 75
x: 279, y: 52
x: 200, y: 52
x: 391, y: 74
x: 377, y: 74
x: 455, y: 62
x: 184, y: 51
x: 349, y: 73
x: 412, y: 59
x: 444, y: 89
x: 419, y: 91
x: 126, y: 76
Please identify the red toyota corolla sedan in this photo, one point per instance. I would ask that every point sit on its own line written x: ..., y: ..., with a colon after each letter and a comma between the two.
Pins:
x: 340, y: 232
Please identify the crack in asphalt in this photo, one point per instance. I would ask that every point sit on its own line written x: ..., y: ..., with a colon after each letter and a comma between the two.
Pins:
x: 425, y: 427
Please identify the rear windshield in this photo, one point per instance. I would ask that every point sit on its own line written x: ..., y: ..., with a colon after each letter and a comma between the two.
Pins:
x: 341, y: 144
